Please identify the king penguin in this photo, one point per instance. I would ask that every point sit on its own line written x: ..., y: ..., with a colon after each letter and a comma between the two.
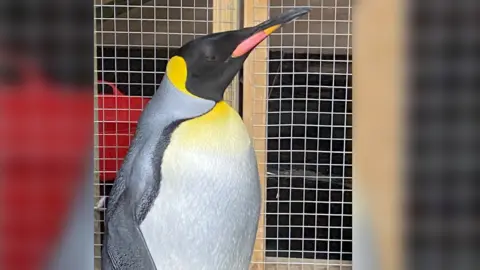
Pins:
x: 187, y: 196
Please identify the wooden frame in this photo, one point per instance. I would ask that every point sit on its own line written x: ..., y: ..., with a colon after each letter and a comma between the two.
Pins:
x: 255, y: 111
x: 377, y: 136
x: 226, y: 17
x: 378, y: 95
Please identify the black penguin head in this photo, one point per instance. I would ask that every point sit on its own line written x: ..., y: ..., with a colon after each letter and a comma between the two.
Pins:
x: 204, y: 67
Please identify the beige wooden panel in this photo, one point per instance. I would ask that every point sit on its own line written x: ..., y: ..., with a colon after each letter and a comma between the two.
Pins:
x: 254, y: 111
x: 225, y: 18
x: 378, y: 126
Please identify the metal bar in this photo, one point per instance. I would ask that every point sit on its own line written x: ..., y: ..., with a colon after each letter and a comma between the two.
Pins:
x: 108, y: 11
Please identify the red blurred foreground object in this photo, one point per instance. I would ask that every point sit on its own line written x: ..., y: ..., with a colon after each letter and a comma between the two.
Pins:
x: 117, y: 116
x: 45, y: 140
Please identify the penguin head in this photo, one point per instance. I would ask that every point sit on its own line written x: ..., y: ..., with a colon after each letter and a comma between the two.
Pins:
x: 204, y: 67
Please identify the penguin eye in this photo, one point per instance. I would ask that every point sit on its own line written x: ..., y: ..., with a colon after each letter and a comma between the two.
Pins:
x: 209, y: 53
x: 211, y: 58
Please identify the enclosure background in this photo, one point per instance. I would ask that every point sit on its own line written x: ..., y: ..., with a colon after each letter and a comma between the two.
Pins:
x: 295, y: 97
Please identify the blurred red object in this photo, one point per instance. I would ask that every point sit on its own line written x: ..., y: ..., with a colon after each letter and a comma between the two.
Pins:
x: 118, y: 115
x: 45, y: 143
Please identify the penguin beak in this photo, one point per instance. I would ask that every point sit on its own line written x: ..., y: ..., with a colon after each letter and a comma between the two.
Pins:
x: 263, y: 30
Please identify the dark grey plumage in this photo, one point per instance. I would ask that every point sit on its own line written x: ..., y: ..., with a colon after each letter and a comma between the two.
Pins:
x: 139, y: 179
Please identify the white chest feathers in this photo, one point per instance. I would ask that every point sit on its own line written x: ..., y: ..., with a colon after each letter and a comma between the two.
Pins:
x: 206, y: 213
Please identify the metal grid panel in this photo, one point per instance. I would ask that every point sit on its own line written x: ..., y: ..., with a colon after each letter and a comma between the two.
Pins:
x: 134, y: 41
x: 152, y: 30
x: 308, y: 208
x: 308, y: 134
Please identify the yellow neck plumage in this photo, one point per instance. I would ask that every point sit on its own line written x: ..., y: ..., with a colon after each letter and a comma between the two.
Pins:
x: 220, y: 130
x: 177, y: 73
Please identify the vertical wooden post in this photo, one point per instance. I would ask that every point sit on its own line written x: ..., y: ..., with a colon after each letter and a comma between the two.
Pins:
x: 377, y: 135
x: 255, y: 111
x: 225, y: 18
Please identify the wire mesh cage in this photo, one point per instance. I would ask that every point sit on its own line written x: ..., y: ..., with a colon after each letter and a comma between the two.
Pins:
x: 299, y: 100
x: 134, y: 40
x: 295, y: 97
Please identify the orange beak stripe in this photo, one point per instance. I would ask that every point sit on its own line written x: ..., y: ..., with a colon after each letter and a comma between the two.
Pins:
x: 250, y: 43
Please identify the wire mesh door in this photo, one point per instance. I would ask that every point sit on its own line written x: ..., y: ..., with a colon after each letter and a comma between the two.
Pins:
x: 297, y: 104
x: 134, y: 40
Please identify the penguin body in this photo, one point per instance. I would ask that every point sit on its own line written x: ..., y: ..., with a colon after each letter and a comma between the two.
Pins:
x: 164, y: 202
x: 139, y: 179
x: 215, y: 146
x: 188, y: 194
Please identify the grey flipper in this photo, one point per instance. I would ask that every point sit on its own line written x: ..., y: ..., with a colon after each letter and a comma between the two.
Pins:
x: 138, y: 181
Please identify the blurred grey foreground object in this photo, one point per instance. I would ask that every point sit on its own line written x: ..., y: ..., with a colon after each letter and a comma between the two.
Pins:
x: 364, y: 242
x: 188, y: 193
x: 75, y: 250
